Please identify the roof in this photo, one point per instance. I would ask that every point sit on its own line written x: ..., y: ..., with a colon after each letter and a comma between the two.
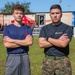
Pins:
x: 38, y: 12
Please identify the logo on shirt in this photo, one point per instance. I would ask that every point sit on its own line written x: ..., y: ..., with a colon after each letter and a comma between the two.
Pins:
x: 25, y: 34
x: 58, y: 32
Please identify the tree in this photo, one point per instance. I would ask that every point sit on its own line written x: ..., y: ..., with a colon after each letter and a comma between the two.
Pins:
x: 8, y: 7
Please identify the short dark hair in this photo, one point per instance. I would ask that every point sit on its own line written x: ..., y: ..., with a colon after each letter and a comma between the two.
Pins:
x: 18, y: 7
x: 56, y: 6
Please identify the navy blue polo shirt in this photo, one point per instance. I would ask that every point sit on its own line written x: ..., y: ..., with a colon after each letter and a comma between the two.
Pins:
x: 19, y: 33
x: 55, y: 32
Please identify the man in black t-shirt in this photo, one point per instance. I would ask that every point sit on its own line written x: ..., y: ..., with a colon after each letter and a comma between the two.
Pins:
x: 55, y: 39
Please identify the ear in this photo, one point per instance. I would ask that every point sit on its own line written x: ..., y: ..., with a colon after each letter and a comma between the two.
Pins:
x: 61, y: 15
x: 49, y: 14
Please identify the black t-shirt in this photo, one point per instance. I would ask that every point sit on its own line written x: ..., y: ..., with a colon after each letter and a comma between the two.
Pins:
x: 55, y: 32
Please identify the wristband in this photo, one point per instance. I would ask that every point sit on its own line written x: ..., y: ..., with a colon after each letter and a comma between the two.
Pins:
x: 47, y: 38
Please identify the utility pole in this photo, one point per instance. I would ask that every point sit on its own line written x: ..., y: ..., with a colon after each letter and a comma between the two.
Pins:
x: 60, y: 1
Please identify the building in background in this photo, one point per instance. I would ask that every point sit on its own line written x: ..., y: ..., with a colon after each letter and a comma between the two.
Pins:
x: 41, y: 19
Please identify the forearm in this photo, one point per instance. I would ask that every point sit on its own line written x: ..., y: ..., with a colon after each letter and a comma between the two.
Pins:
x: 58, y: 42
x: 11, y: 45
x: 44, y: 43
x: 25, y: 42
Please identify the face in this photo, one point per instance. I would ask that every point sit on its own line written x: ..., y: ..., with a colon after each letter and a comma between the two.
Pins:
x: 18, y: 15
x: 55, y: 15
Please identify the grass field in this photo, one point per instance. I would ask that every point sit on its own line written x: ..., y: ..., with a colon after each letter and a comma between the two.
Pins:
x: 36, y: 56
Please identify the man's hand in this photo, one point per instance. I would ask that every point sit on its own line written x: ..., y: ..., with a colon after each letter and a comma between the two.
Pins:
x: 28, y: 36
x: 8, y: 39
x: 63, y: 37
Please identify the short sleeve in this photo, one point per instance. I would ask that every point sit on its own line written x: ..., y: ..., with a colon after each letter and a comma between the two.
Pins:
x: 42, y: 32
x: 5, y: 31
x: 30, y: 31
x: 69, y: 32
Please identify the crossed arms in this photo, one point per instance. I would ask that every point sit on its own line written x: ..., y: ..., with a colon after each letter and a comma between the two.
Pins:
x: 13, y: 43
x: 62, y: 41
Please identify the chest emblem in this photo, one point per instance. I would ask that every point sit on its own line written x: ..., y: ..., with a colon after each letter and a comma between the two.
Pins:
x: 58, y: 32
x: 25, y: 34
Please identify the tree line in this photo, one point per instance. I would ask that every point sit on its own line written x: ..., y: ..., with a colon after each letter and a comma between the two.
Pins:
x: 7, y: 9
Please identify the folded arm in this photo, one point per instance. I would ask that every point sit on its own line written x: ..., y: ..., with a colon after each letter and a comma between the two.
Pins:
x: 26, y: 42
x: 43, y: 43
x: 8, y: 42
x: 10, y: 45
x: 62, y: 41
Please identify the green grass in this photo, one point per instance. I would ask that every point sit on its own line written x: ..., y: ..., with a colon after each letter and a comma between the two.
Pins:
x: 2, y: 57
x: 36, y: 56
x: 72, y: 55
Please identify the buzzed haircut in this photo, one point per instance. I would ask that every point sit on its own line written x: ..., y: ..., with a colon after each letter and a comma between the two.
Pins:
x: 18, y: 7
x: 56, y: 6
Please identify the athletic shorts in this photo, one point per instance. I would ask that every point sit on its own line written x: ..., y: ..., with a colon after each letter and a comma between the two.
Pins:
x: 17, y: 64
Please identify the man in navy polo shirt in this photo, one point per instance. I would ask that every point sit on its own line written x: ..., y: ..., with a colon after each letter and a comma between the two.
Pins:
x: 55, y: 39
x: 17, y: 38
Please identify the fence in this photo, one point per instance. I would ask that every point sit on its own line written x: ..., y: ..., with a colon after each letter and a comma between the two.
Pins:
x: 36, y: 31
